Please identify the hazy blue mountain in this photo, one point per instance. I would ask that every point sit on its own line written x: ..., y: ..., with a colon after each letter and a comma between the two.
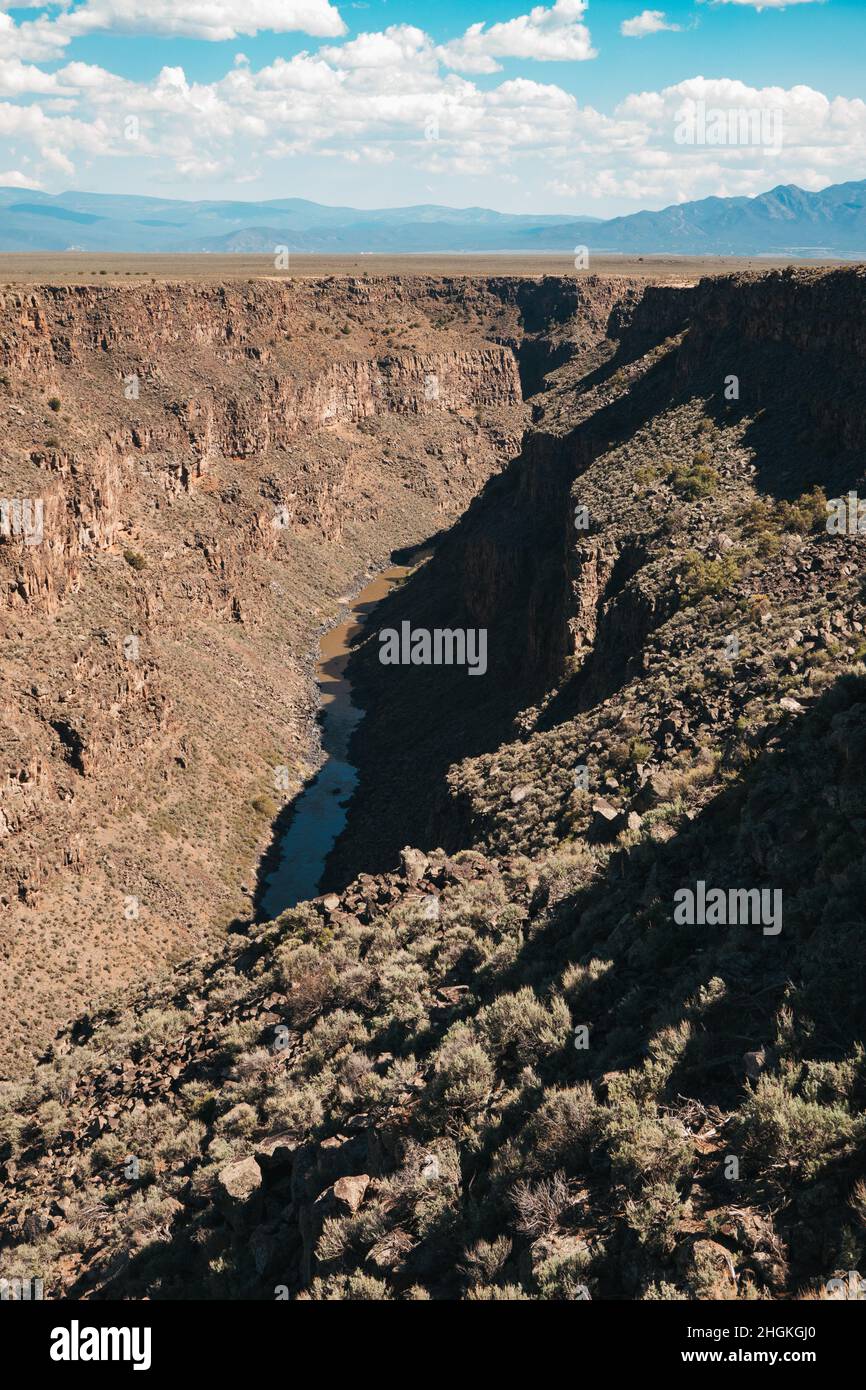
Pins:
x: 787, y: 219
x: 783, y: 221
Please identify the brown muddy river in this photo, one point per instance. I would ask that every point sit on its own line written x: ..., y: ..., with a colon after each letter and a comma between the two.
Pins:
x: 321, y: 809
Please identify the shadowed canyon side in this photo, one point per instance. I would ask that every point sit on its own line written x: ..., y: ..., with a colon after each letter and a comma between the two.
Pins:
x: 615, y: 433
x: 493, y: 1060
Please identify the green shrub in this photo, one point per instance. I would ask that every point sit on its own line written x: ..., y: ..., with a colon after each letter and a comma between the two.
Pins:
x: 565, y: 1128
x: 182, y: 1142
x: 697, y: 480
x: 647, y: 473
x: 656, y: 1215
x: 332, y: 1034
x: 351, y: 1287
x: 464, y: 1075
x: 808, y: 513
x: 784, y: 1130
x: 646, y: 1147
x: 520, y: 1029
x: 562, y: 1274
x: 492, y: 1293
x: 485, y: 1261
x: 701, y: 578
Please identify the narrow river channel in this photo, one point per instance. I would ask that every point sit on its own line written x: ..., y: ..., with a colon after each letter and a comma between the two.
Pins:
x: 321, y: 809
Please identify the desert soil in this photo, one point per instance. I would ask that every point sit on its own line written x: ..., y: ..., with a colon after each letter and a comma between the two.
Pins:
x: 78, y: 268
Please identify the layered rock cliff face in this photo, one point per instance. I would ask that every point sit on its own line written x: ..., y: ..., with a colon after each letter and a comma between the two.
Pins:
x: 178, y: 377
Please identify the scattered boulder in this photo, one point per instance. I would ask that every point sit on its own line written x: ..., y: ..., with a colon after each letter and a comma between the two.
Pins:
x: 627, y: 820
x: 792, y: 706
x: 655, y: 790
x: 430, y: 1168
x: 603, y: 825
x: 414, y: 864
x: 239, y: 1188
x: 754, y: 1063
x: 349, y: 1192
x: 277, y: 1152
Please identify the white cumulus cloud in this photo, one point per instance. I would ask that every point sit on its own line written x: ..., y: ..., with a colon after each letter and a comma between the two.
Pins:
x: 769, y: 4
x: 399, y: 45
x: 13, y: 178
x: 557, y: 34
x: 37, y: 40
x: 215, y: 20
x: 647, y: 22
x: 17, y: 78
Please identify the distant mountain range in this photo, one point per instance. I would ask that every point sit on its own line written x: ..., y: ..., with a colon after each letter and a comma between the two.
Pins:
x: 785, y: 221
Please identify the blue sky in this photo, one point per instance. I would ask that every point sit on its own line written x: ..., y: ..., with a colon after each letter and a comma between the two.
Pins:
x: 565, y: 106
x: 823, y: 45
